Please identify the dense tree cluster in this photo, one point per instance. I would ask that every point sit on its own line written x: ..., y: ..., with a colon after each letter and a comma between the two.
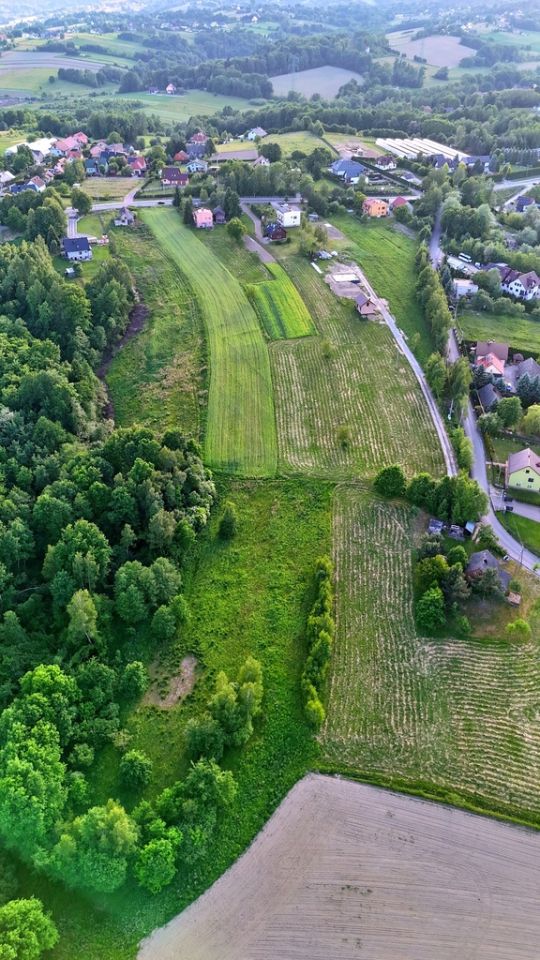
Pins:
x: 320, y: 636
x: 452, y: 499
x: 433, y: 300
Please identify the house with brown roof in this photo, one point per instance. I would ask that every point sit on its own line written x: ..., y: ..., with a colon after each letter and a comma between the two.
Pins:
x: 523, y: 470
x: 364, y: 306
x: 181, y: 157
x: 491, y: 364
x: 173, y: 177
x: 375, y: 207
x: 138, y: 166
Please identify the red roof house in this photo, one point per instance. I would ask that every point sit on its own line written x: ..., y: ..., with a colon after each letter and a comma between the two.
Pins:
x: 181, y: 156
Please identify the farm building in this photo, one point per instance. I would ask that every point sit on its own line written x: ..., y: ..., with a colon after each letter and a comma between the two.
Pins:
x: 416, y: 146
x: 364, y: 306
x: 256, y: 132
x: 76, y: 248
x: 203, y: 218
x: 287, y: 216
x: 173, y: 177
x: 484, y: 560
x: 124, y: 218
x: 374, y: 207
x: 523, y: 470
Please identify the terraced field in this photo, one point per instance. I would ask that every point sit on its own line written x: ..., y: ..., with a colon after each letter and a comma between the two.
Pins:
x: 279, y: 306
x: 457, y: 715
x: 240, y: 433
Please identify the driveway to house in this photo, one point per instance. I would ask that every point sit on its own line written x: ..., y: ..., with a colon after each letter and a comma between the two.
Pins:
x: 438, y: 423
x: 513, y: 547
x: 529, y: 510
x: 72, y: 217
x: 254, y: 219
x: 263, y: 253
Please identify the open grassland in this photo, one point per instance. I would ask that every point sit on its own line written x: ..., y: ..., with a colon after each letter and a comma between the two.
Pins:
x: 299, y: 140
x: 457, y: 718
x: 122, y: 48
x: 521, y: 333
x: 109, y: 188
x: 249, y: 596
x: 157, y: 379
x: 323, y: 80
x: 242, y: 263
x: 525, y: 531
x: 344, y: 870
x: 387, y: 258
x: 520, y: 38
x: 439, y: 50
x: 279, y: 306
x: 181, y: 107
x: 8, y: 138
x: 241, y: 432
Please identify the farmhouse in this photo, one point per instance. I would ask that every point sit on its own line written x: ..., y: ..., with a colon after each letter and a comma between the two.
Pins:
x: 482, y: 561
x: 203, y: 218
x: 275, y: 232
x: 364, y: 306
x: 197, y: 166
x: 287, y: 216
x: 373, y: 207
x: 523, y: 470
x: 124, y: 218
x: 256, y: 132
x: 76, y: 248
x: 173, y: 177
x: 348, y: 170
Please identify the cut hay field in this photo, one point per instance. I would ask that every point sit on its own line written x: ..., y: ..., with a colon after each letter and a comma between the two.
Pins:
x: 194, y: 103
x: 347, y: 871
x: 521, y: 333
x: 157, y: 379
x: 323, y: 80
x: 109, y: 188
x: 298, y: 140
x: 452, y: 717
x: 279, y: 306
x: 439, y: 50
x: 240, y: 433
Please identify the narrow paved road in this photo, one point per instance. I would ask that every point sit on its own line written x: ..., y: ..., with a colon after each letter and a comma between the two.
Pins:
x: 263, y: 253
x: 435, y: 252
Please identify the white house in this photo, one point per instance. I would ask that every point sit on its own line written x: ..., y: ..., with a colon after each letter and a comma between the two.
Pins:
x: 287, y: 216
x: 76, y: 248
x: 526, y: 286
x: 124, y: 218
x: 256, y: 132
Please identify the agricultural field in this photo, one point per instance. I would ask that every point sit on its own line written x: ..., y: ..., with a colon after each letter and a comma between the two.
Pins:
x: 529, y: 39
x: 29, y: 73
x: 323, y: 80
x: 8, y: 138
x: 387, y: 258
x: 279, y: 306
x: 241, y: 432
x: 299, y: 140
x: 109, y: 188
x: 243, y: 264
x: 455, y: 718
x: 521, y: 333
x: 181, y: 107
x: 345, y: 870
x: 438, y: 51
x: 158, y: 378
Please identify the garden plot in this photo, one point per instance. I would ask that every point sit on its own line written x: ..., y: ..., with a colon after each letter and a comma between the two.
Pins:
x: 460, y: 716
x: 344, y: 870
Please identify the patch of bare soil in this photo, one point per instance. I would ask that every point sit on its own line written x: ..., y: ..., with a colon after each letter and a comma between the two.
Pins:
x: 350, y: 872
x: 179, y: 686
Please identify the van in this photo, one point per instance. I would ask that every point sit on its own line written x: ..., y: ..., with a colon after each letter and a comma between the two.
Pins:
x: 465, y: 257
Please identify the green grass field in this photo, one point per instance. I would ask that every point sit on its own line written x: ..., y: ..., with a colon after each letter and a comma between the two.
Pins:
x: 387, y: 257
x: 242, y: 263
x: 299, y: 140
x: 522, y: 38
x: 241, y: 432
x: 109, y: 188
x: 279, y: 306
x: 525, y: 531
x: 453, y: 716
x: 157, y: 379
x: 521, y: 333
x: 194, y: 103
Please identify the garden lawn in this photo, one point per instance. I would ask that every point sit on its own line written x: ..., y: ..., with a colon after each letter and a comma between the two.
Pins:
x: 109, y: 188
x: 241, y: 431
x: 279, y: 306
x: 387, y: 257
x: 525, y: 531
x: 299, y: 140
x: 455, y: 718
x: 157, y: 379
x: 522, y: 333
x: 247, y: 596
x: 194, y: 103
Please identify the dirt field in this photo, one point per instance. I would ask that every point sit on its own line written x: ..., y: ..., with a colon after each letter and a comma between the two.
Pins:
x: 349, y: 872
x: 323, y: 80
x: 439, y: 51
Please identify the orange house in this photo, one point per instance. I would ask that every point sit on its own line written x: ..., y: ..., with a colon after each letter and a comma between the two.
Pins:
x: 373, y: 207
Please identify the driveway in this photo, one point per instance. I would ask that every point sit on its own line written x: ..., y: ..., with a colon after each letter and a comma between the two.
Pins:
x: 263, y: 253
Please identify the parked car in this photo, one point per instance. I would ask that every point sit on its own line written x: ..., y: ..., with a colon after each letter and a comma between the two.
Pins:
x: 508, y: 509
x: 507, y: 498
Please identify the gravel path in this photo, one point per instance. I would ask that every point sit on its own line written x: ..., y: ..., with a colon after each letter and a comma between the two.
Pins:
x: 344, y: 871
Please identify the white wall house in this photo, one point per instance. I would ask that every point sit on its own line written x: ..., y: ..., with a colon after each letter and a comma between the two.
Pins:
x: 288, y: 216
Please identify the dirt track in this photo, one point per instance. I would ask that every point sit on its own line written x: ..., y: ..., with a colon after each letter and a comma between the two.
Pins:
x: 344, y: 871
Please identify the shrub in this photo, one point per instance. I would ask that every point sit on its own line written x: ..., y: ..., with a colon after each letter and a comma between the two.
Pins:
x: 430, y: 612
x: 390, y: 482
x: 457, y: 554
x: 135, y: 770
x: 229, y: 522
x: 320, y: 632
x: 155, y: 867
x: 134, y: 680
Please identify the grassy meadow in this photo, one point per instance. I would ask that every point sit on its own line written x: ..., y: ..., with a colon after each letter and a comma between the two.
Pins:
x: 521, y: 333
x: 447, y: 716
x: 279, y: 306
x: 324, y: 80
x: 194, y: 103
x: 240, y: 434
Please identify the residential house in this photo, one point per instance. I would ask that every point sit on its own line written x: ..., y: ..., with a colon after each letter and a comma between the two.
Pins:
x: 491, y: 364
x: 374, y: 207
x: 203, y: 218
x: 170, y: 89
x: 523, y: 470
x: 386, y: 162
x: 91, y: 167
x: 36, y: 183
x: 197, y: 144
x: 38, y: 148
x: 97, y: 149
x: 261, y: 162
x: 275, y: 232
x: 287, y: 216
x: 522, y: 203
x: 348, y: 170
x: 484, y: 560
x: 500, y: 350
x: 124, y: 218
x: 219, y: 215
x: 524, y: 286
x: 256, y: 132
x: 488, y: 397
x: 5, y: 178
x: 197, y: 166
x: 64, y: 145
x: 181, y: 157
x: 398, y: 202
x: 138, y: 166
x: 364, y: 306
x: 76, y: 248
x: 173, y: 177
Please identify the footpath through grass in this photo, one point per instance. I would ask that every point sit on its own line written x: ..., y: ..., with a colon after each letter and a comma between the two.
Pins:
x: 457, y: 718
x: 241, y: 431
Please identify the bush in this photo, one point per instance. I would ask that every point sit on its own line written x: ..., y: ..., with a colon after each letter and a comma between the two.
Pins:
x: 430, y: 612
x: 205, y: 738
x: 320, y: 632
x: 135, y: 770
x: 229, y: 522
x: 155, y: 867
x: 134, y: 681
x: 390, y: 482
x: 457, y: 554
x: 518, y: 630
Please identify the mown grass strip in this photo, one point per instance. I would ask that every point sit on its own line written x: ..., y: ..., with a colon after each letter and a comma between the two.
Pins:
x: 281, y: 310
x: 241, y: 431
